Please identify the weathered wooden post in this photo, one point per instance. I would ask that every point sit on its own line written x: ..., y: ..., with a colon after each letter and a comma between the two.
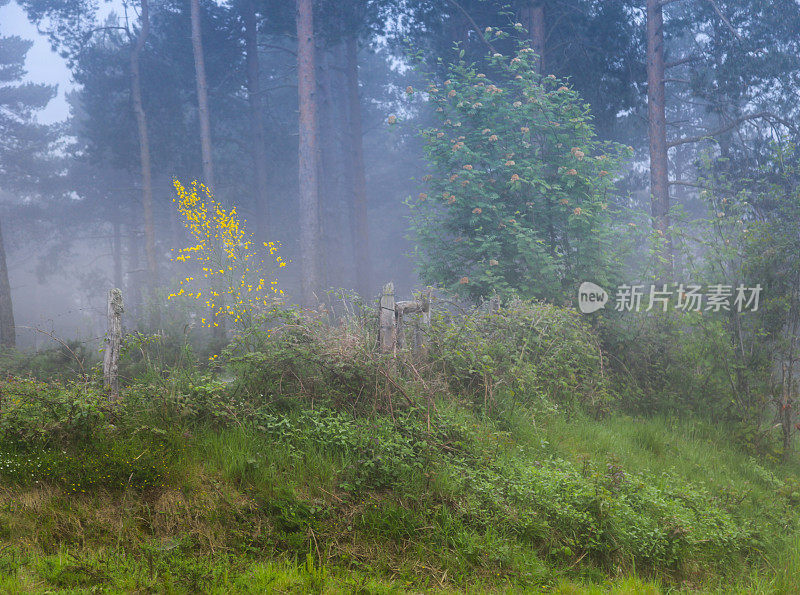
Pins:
x: 388, y: 327
x: 392, y: 314
x: 424, y: 323
x: 494, y: 304
x: 399, y: 331
x: 113, y: 343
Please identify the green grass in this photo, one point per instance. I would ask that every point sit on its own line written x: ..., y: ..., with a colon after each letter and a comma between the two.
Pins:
x: 290, y: 499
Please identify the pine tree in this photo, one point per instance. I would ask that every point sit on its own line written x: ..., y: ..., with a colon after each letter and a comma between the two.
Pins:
x: 24, y: 145
x: 308, y: 172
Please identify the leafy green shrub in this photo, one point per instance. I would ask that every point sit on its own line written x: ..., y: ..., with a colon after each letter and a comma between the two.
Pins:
x: 177, y: 350
x: 518, y: 196
x: 674, y: 363
x: 608, y: 514
x: 62, y: 432
x: 382, y: 453
x: 71, y: 360
x: 528, y: 352
x: 304, y: 357
x: 36, y: 411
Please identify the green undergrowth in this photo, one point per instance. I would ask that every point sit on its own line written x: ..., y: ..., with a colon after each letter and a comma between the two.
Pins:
x: 309, y: 463
x: 335, y: 500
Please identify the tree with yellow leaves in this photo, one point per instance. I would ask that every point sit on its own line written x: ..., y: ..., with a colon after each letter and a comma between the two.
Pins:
x: 232, y: 286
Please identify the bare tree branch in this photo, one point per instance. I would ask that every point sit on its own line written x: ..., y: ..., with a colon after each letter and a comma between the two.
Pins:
x: 473, y: 24
x: 725, y: 20
x: 685, y: 183
x: 730, y: 126
x: 270, y: 46
x: 685, y: 60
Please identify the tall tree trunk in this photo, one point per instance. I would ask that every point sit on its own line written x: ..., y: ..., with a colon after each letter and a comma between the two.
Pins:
x: 8, y: 330
x: 256, y: 121
x: 204, y: 116
x: 202, y: 96
x: 656, y: 112
x: 307, y: 153
x: 532, y: 16
x: 144, y: 158
x: 459, y: 28
x: 333, y: 182
x: 359, y: 227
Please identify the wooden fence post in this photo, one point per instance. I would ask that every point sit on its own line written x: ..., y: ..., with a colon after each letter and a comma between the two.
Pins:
x: 392, y: 335
x: 113, y: 343
x: 424, y: 322
x: 388, y: 328
x: 398, y: 325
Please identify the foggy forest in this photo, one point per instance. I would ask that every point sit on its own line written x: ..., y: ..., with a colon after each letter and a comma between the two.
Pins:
x: 389, y: 296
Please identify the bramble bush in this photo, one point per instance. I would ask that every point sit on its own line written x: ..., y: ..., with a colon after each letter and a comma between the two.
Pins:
x: 35, y: 411
x: 62, y: 432
x: 299, y: 355
x: 527, y: 352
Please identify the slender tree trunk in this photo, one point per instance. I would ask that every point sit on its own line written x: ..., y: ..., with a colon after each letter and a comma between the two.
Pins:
x: 8, y: 330
x: 117, y: 252
x: 334, y: 194
x: 203, y: 115
x: 307, y: 153
x: 359, y: 228
x: 656, y: 111
x: 202, y: 96
x: 256, y: 121
x: 532, y: 16
x: 144, y: 158
x: 789, y: 383
x: 133, y: 287
x: 325, y: 169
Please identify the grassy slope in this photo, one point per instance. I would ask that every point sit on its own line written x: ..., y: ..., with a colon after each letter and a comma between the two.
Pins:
x: 244, y: 510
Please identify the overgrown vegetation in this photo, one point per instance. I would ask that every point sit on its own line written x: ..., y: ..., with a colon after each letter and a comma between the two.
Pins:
x: 512, y: 445
x: 498, y: 460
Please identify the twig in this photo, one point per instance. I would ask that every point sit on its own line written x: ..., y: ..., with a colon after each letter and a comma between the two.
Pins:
x: 693, y: 139
x: 63, y: 344
x: 725, y: 20
x: 332, y: 495
x: 398, y: 387
x: 474, y: 25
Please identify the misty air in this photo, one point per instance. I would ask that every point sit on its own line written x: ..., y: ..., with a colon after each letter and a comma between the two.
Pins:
x: 400, y: 296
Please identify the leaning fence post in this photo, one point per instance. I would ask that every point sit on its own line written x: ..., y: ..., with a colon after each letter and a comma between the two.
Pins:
x: 113, y: 343
x: 388, y: 330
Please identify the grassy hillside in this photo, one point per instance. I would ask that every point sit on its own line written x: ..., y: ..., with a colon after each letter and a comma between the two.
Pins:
x: 308, y: 464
